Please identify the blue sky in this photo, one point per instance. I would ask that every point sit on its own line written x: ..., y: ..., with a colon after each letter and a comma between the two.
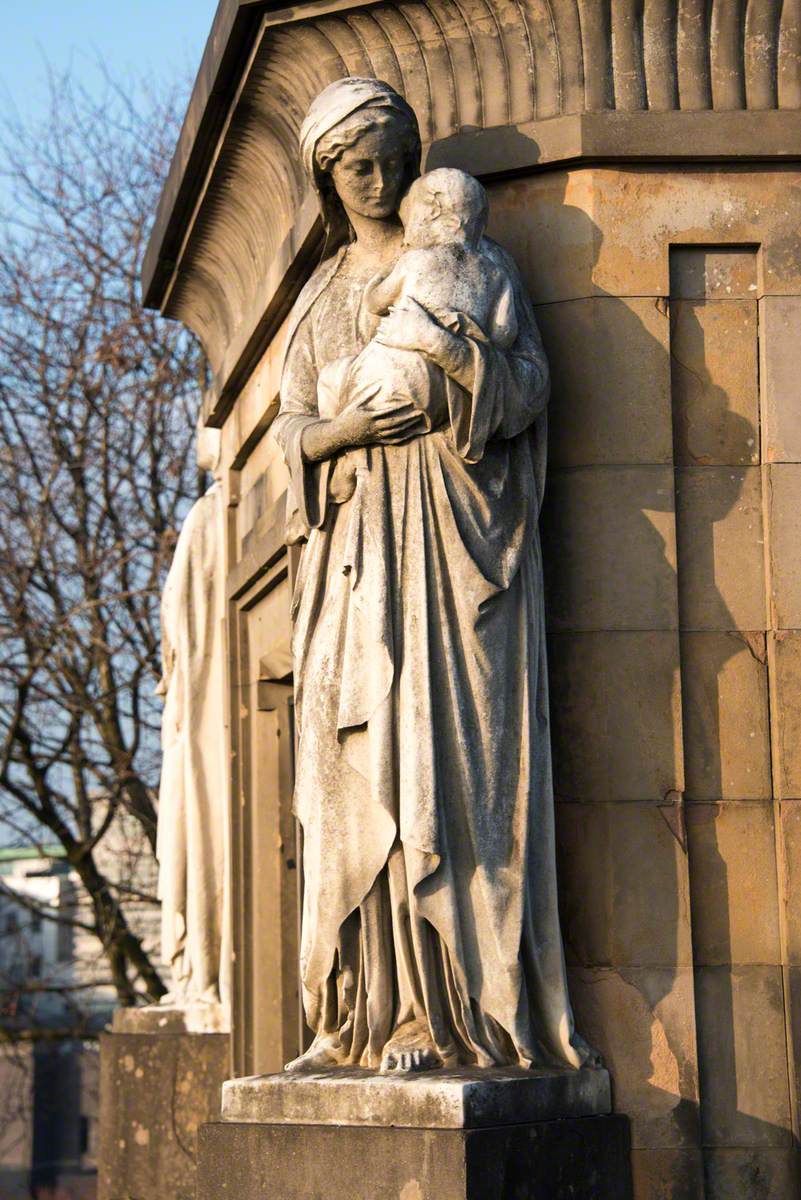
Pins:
x: 162, y: 37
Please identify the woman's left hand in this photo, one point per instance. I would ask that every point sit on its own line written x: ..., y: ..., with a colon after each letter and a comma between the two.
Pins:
x: 409, y: 326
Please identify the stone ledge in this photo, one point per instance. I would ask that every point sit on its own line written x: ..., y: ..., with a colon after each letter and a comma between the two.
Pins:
x: 457, y: 1099
x: 167, y: 1018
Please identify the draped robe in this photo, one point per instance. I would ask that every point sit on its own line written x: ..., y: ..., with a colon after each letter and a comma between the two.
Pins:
x: 192, y: 820
x: 423, y: 780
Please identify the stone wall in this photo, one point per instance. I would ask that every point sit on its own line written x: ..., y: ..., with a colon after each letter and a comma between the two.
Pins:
x: 669, y: 304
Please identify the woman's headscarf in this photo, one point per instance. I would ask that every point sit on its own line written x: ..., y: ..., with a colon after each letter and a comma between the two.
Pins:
x: 336, y: 104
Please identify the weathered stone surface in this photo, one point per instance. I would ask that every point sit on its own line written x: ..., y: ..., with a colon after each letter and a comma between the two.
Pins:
x: 780, y: 369
x: 733, y: 883
x: 583, y: 1159
x: 738, y: 1174
x: 784, y: 660
x: 742, y: 1056
x: 609, y: 546
x: 607, y: 229
x: 611, y: 403
x: 784, y: 516
x: 642, y: 1019
x: 714, y: 273
x: 724, y: 689
x: 713, y: 359
x: 616, y: 715
x: 169, y: 1018
x: 156, y: 1090
x: 790, y: 890
x: 721, y: 548
x: 626, y: 857
x: 792, y: 988
x: 446, y: 1099
x: 668, y: 1174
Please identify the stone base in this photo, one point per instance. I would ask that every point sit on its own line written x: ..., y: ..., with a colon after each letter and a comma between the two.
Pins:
x: 347, y: 1134
x: 573, y: 1159
x: 465, y: 1098
x: 156, y: 1089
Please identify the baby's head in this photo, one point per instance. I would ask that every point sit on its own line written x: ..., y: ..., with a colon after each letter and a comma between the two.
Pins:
x: 445, y: 205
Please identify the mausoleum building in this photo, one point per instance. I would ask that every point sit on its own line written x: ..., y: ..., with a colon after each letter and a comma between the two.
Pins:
x: 642, y: 160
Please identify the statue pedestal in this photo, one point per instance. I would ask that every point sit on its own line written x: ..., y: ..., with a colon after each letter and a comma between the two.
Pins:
x: 160, y: 1079
x: 450, y: 1135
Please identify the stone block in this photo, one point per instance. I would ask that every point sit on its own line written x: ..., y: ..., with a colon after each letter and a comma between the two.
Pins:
x: 725, y: 716
x: 580, y: 1159
x: 642, y: 1020
x: 156, y: 1090
x: 784, y: 662
x: 616, y: 715
x: 752, y: 1174
x: 545, y: 220
x: 667, y: 1174
x: 611, y: 403
x: 742, y: 1056
x: 628, y: 860
x: 792, y: 987
x: 713, y: 272
x: 607, y: 229
x: 714, y: 382
x: 784, y: 516
x: 780, y: 370
x: 733, y: 883
x: 790, y: 890
x: 609, y: 547
x: 721, y: 548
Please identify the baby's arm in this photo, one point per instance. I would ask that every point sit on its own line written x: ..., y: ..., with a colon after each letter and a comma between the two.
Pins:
x: 385, y: 290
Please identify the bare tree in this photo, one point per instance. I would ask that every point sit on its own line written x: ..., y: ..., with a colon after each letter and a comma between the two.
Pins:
x: 98, y: 400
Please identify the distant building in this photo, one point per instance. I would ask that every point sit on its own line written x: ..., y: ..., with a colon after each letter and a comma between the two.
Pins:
x: 54, y: 980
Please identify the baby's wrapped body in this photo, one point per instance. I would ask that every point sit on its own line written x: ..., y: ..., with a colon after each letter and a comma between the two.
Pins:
x: 465, y: 291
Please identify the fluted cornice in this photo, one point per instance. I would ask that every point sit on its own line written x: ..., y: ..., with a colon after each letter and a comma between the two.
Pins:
x: 464, y: 65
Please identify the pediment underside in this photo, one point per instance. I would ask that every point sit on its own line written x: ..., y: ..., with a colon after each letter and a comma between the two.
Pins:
x: 465, y: 66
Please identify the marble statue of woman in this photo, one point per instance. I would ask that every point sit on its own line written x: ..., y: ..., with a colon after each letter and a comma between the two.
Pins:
x: 430, y: 931
x: 192, y: 818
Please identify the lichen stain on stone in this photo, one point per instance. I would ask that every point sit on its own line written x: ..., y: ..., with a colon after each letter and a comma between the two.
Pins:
x: 128, y: 1062
x: 411, y: 1191
x: 141, y: 1136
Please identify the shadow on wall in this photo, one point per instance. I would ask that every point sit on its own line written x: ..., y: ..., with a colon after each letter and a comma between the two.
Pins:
x: 619, y: 678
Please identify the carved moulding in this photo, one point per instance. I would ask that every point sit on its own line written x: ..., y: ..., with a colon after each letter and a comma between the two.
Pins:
x: 228, y: 263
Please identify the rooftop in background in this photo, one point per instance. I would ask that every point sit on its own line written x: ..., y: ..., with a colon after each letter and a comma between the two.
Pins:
x: 12, y: 853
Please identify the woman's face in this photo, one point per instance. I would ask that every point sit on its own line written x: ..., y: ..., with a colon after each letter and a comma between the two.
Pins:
x: 370, y: 174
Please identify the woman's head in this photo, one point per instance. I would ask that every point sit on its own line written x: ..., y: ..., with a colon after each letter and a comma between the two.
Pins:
x: 361, y: 145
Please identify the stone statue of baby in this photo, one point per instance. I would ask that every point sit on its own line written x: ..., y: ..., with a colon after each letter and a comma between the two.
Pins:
x: 443, y: 269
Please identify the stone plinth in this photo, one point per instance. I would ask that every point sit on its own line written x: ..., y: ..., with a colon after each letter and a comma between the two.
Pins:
x: 157, y: 1087
x: 457, y: 1099
x: 476, y: 1135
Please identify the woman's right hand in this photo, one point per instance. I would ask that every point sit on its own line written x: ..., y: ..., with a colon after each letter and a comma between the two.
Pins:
x: 366, y: 426
x: 361, y: 426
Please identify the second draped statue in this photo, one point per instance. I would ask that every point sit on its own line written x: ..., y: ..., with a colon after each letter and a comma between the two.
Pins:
x: 413, y: 422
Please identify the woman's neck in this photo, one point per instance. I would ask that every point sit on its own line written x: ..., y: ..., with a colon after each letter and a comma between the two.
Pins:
x: 376, y: 240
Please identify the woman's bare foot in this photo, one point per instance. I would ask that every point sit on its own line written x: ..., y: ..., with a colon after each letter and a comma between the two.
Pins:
x: 410, y: 1049
x: 325, y: 1051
